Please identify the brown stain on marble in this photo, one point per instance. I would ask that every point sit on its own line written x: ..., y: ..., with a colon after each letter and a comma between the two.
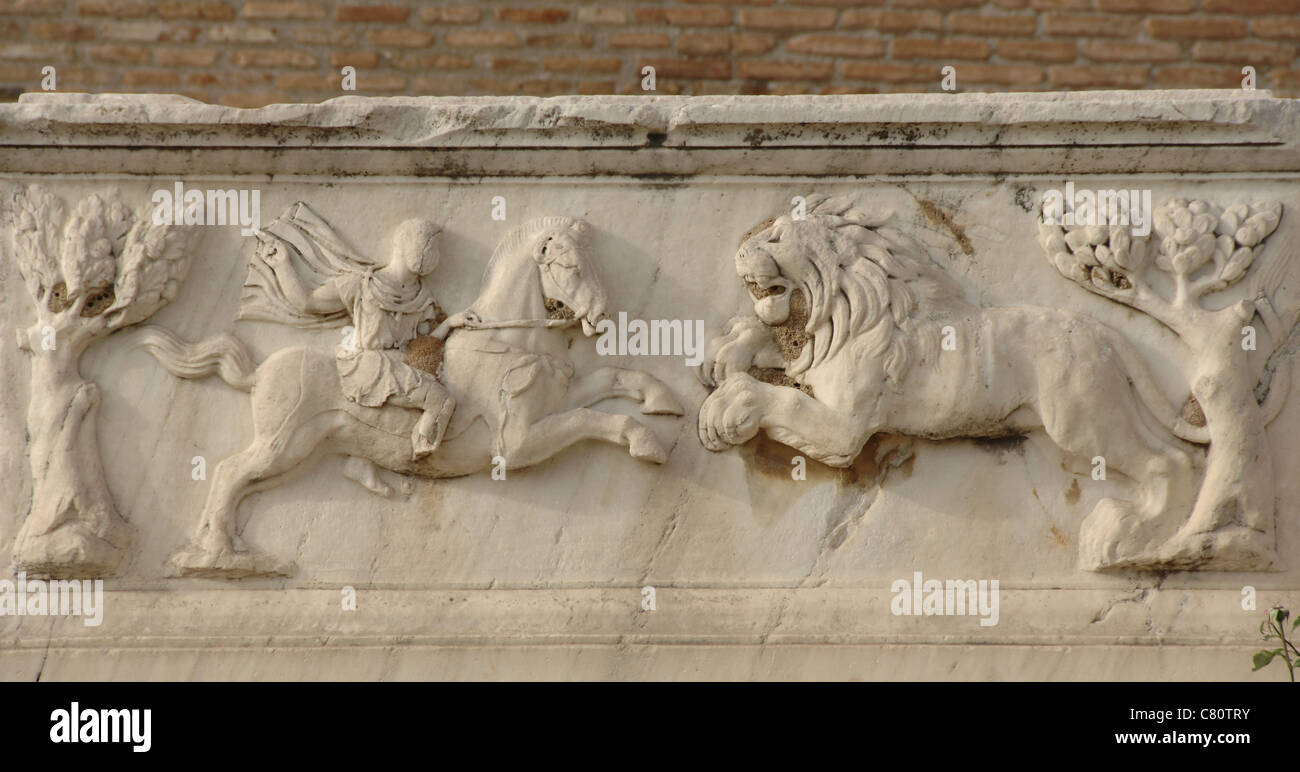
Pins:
x: 939, y: 217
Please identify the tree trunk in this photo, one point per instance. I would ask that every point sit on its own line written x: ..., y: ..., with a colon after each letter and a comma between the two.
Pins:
x: 1232, y: 524
x: 73, y: 529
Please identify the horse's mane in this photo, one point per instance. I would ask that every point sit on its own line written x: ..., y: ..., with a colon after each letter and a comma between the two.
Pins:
x: 873, y: 284
x: 520, y: 236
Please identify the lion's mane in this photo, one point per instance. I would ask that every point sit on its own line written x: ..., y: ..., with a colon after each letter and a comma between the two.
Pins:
x: 865, y: 283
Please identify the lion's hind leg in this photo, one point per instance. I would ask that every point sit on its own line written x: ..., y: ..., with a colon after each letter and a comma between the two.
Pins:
x: 1125, y: 533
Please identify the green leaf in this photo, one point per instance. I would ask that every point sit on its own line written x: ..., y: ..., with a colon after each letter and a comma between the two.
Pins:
x: 1262, y: 658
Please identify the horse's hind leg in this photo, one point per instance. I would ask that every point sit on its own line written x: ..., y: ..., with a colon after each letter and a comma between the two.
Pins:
x: 549, y: 436
x: 217, y: 549
x: 611, y: 382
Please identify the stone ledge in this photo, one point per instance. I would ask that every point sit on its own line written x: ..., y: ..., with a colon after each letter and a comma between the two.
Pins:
x: 1088, y: 118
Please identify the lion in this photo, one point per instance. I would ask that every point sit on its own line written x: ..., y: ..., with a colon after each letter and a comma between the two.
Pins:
x: 891, y: 346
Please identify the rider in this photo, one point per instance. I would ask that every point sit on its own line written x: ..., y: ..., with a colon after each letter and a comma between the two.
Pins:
x: 389, y: 306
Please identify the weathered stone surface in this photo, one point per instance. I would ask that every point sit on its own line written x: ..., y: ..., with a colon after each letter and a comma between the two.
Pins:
x: 906, y: 365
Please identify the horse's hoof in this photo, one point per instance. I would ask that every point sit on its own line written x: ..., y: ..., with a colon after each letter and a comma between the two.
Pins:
x: 193, y: 560
x: 644, y: 445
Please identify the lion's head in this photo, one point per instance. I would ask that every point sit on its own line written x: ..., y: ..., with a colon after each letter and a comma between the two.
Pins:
x: 859, y: 281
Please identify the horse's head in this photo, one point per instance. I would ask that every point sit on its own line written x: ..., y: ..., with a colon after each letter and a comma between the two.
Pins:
x: 561, y: 247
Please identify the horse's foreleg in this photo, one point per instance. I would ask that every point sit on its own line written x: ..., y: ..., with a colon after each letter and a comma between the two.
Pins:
x: 612, y: 382
x: 552, y: 434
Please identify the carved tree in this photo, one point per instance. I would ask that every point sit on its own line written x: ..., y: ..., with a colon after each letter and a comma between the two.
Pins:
x: 90, y: 273
x: 1201, y: 249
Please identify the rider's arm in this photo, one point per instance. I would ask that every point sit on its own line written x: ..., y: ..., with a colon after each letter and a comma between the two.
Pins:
x: 324, y: 300
x: 452, y: 322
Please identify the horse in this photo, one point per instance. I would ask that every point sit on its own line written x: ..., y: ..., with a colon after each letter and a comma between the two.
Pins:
x: 517, y: 402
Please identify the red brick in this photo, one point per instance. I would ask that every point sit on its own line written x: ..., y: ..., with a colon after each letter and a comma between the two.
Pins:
x: 683, y: 17
x: 988, y: 24
x: 533, y: 15
x: 703, y: 43
x: 1088, y: 25
x: 476, y: 38
x: 32, y: 8
x: 331, y: 36
x: 889, y: 21
x: 196, y: 9
x: 1130, y: 51
x: 400, y: 37
x: 597, y: 87
x: 895, y: 72
x: 451, y: 14
x: 119, y: 54
x: 767, y: 69
x: 525, y: 87
x: 57, y: 30
x: 120, y: 9
x: 946, y: 5
x: 437, y: 84
x: 511, y: 64
x: 998, y: 74
x: 837, y: 45
x: 148, y: 32
x: 940, y: 48
x: 1243, y: 53
x: 1147, y: 6
x: 787, y: 18
x: 431, y: 62
x: 1238, y: 7
x: 368, y: 59
x: 639, y: 40
x: 1287, y: 29
x: 752, y: 42
x: 581, y: 64
x: 311, y: 81
x: 270, y: 58
x: 380, y: 13
x: 241, y: 33
x: 559, y: 40
x: 187, y: 57
x: 688, y: 68
x: 153, y: 78
x: 380, y: 82
x: 257, y: 9
x: 1198, y: 77
x: 1093, y: 76
x: 1038, y: 50
x: 596, y: 14
x: 1199, y: 28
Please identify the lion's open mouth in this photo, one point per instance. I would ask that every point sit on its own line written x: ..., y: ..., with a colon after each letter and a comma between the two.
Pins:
x: 759, y: 291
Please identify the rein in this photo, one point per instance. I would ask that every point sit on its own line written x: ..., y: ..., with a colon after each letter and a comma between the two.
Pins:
x: 516, y: 323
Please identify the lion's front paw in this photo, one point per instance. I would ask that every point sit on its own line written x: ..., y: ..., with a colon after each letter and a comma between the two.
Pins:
x: 733, y: 414
x: 733, y: 352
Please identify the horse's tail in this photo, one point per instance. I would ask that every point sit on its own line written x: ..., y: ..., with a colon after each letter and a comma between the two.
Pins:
x: 1152, y: 398
x: 224, y: 355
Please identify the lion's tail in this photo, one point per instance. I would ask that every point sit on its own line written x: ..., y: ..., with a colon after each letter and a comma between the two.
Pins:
x: 225, y: 355
x: 1153, y: 399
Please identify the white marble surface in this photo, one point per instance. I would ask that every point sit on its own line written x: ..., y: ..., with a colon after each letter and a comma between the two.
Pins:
x: 540, y: 575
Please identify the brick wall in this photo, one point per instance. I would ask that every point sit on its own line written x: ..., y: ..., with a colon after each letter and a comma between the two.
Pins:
x: 257, y: 52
